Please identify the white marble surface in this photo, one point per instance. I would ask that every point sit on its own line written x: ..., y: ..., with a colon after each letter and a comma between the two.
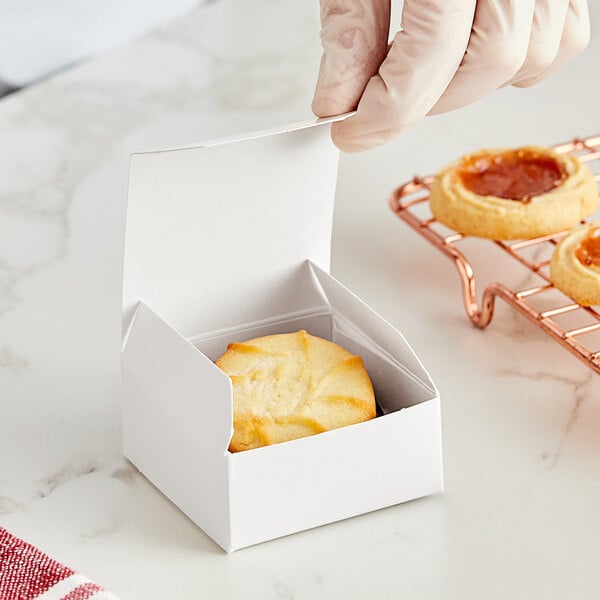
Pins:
x: 520, y: 517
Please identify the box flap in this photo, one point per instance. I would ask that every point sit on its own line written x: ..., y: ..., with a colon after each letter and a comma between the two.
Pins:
x: 215, y: 232
x: 177, y: 420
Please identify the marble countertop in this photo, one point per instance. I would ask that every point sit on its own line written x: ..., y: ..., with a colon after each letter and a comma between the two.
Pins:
x: 521, y: 418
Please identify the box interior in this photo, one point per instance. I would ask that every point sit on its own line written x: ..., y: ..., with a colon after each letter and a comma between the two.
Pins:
x: 395, y: 383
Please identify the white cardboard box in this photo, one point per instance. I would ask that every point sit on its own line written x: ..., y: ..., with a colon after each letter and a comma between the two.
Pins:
x: 230, y: 241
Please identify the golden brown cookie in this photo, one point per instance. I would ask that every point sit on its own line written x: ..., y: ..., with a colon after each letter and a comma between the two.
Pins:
x: 293, y: 385
x: 513, y: 194
x: 575, y: 264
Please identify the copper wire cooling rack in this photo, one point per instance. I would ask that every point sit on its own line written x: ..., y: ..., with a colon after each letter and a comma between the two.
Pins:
x: 411, y: 203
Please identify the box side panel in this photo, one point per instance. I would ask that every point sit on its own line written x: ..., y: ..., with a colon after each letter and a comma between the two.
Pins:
x: 215, y: 236
x: 177, y: 421
x: 360, y: 323
x: 285, y: 488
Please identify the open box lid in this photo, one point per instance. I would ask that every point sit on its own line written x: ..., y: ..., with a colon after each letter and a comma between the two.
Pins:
x: 215, y: 231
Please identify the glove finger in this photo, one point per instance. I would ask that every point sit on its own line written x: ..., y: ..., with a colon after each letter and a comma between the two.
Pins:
x: 354, y: 35
x: 422, y: 60
x: 548, y: 25
x: 575, y: 37
x: 497, y: 49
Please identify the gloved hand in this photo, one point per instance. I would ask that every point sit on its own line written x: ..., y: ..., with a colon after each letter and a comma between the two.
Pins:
x: 447, y: 54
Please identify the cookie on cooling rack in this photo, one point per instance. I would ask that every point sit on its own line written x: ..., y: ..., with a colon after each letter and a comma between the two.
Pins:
x: 575, y: 264
x: 293, y: 385
x: 507, y: 194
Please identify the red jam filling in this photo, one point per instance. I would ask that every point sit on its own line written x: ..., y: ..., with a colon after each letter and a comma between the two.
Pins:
x: 514, y: 174
x: 588, y: 251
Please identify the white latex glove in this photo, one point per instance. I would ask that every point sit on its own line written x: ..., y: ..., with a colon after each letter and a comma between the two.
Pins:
x: 447, y: 54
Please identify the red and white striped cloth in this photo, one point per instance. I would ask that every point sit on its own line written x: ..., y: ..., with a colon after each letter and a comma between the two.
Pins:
x: 26, y: 573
